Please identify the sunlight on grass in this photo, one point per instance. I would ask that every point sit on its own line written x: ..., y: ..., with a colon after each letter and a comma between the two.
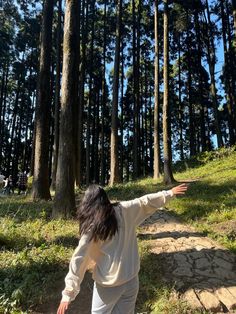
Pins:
x: 35, y: 250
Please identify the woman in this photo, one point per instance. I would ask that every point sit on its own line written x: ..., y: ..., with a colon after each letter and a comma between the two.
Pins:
x: 108, y: 237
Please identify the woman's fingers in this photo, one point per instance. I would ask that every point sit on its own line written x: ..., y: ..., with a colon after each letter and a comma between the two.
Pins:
x: 180, y: 189
x: 62, y: 307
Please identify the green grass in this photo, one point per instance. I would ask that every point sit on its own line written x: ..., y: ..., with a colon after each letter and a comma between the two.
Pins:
x: 35, y: 250
x: 210, y: 203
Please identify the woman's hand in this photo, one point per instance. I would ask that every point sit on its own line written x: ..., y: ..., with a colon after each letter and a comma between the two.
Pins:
x: 180, y: 189
x: 63, y: 307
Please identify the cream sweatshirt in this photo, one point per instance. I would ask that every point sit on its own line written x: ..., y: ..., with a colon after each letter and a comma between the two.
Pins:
x: 116, y: 260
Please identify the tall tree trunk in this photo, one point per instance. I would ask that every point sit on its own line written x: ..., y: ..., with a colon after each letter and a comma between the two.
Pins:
x: 227, y: 77
x: 40, y: 188
x: 232, y: 63
x: 211, y: 58
x: 181, y: 142
x: 115, y: 176
x: 91, y: 100
x: 13, y: 126
x: 80, y: 147
x: 57, y: 97
x: 103, y: 96
x: 135, y: 87
x: 3, y: 108
x: 65, y: 197
x: 151, y: 123
x: 157, y: 99
x: 190, y: 100
x: 200, y: 80
x: 122, y: 114
x: 168, y: 176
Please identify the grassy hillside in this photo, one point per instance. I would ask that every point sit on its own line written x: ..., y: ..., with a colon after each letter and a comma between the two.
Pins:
x: 210, y: 203
x: 35, y: 250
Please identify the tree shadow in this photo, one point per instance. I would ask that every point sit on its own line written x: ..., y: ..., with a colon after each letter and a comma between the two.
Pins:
x: 203, y: 198
x: 19, y: 242
x: 207, y: 269
x: 82, y: 303
x: 169, y: 234
x: 21, y: 209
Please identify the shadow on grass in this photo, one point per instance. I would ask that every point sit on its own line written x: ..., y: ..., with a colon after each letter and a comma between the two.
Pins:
x: 82, y: 303
x: 31, y: 283
x: 19, y: 242
x: 37, y: 287
x: 169, y: 234
x: 203, y: 198
x: 208, y: 269
x: 21, y: 208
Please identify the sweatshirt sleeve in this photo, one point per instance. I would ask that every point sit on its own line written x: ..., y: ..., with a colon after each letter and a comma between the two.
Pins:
x: 77, y: 268
x: 139, y: 209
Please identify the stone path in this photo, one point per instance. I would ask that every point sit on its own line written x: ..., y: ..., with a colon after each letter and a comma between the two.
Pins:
x: 203, y: 272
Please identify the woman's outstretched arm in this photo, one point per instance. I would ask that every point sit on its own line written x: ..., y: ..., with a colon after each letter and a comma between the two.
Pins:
x: 139, y: 209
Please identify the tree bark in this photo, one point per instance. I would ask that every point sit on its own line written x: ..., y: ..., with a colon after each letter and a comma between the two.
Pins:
x: 135, y: 87
x: 57, y: 98
x: 115, y: 176
x: 40, y: 188
x: 227, y: 78
x: 168, y: 176
x: 211, y: 58
x: 64, y: 203
x: 181, y: 141
x: 157, y: 99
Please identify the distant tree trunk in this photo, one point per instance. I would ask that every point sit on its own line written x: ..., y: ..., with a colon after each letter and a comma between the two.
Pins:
x: 151, y: 124
x: 227, y: 77
x: 168, y: 176
x: 3, y: 107
x: 200, y: 81
x: 157, y: 100
x: 181, y: 142
x: 232, y: 63
x: 13, y: 127
x: 64, y: 203
x: 146, y: 155
x: 80, y: 144
x: 211, y: 58
x: 90, y: 100
x: 103, y: 96
x: 122, y: 115
x: 96, y: 137
x: 40, y: 188
x: 115, y: 176
x: 57, y: 97
x: 135, y: 87
x: 190, y: 101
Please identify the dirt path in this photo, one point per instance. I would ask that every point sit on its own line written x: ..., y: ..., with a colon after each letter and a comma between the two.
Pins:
x: 202, y: 272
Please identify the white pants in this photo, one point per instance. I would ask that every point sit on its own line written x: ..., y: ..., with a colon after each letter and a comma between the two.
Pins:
x: 115, y: 300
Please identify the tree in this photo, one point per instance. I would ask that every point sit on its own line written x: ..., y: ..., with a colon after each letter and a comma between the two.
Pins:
x: 168, y: 176
x: 115, y: 177
x: 211, y: 58
x: 57, y: 96
x: 64, y: 202
x: 157, y: 98
x: 40, y: 188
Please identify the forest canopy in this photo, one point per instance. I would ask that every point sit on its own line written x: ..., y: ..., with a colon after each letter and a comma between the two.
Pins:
x: 110, y: 91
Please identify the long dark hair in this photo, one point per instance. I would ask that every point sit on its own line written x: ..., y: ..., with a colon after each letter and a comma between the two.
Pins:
x: 97, y: 215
